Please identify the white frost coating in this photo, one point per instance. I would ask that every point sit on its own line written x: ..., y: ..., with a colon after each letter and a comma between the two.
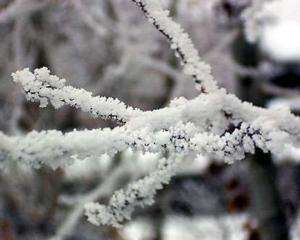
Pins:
x: 43, y: 87
x: 55, y: 149
x: 181, y: 43
x: 213, y: 124
x: 140, y: 193
x: 231, y: 146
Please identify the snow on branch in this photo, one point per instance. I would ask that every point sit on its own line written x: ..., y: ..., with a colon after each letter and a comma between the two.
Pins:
x: 43, y: 87
x: 180, y: 42
x: 140, y: 193
x: 214, y: 124
x: 55, y: 149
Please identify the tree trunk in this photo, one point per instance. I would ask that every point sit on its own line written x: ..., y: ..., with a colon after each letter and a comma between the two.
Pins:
x: 266, y: 203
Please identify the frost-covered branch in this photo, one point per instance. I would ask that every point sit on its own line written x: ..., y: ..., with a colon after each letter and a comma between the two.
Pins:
x: 140, y: 193
x: 55, y: 149
x: 42, y: 87
x: 200, y: 127
x: 186, y: 127
x: 215, y: 124
x: 180, y: 42
x: 104, y: 188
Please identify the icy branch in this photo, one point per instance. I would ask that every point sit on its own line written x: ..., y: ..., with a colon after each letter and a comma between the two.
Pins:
x: 140, y: 193
x: 214, y: 124
x: 42, y: 87
x: 180, y: 42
